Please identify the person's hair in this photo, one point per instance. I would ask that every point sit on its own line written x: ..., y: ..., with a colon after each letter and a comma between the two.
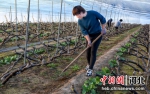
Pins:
x: 121, y: 20
x: 77, y: 10
x: 111, y: 19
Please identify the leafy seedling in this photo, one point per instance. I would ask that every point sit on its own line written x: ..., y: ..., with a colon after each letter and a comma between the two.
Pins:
x: 104, y: 71
x: 122, y: 49
x: 1, y: 40
x: 90, y: 85
x: 127, y: 45
x: 113, y: 63
x: 75, y: 67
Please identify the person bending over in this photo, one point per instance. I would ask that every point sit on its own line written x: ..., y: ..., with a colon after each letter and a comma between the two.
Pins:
x: 118, y: 24
x: 91, y: 29
x: 109, y: 22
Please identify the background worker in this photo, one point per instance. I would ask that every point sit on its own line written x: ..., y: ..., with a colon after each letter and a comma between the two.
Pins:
x: 118, y: 24
x: 109, y: 22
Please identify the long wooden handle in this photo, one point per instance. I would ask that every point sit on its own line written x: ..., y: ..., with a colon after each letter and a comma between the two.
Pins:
x: 82, y: 53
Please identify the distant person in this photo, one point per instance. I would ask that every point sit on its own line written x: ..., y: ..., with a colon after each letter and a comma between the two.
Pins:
x: 109, y: 22
x: 118, y: 24
x: 91, y: 29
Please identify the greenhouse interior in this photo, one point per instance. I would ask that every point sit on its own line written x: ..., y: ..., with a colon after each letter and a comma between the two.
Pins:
x: 74, y: 47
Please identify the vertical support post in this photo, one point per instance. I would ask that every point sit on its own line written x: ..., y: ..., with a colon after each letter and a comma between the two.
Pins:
x: 52, y: 18
x: 16, y: 14
x: 64, y: 18
x: 10, y: 15
x: 27, y: 28
x: 38, y: 24
x: 21, y: 17
x: 59, y: 26
x: 93, y: 5
x: 80, y: 2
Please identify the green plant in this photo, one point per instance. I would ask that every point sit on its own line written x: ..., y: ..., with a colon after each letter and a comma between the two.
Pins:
x: 1, y: 40
x: 83, y: 39
x: 122, y: 49
x: 8, y: 59
x: 39, y: 51
x: 30, y: 53
x: 132, y: 40
x: 14, y: 39
x: 75, y: 67
x: 44, y: 34
x: 112, y: 63
x: 1, y: 31
x: 127, y: 45
x: 52, y: 65
x: 1, y: 84
x: 41, y: 35
x: 136, y: 34
x: 104, y: 71
x: 63, y: 44
x: 121, y: 58
x: 31, y: 36
x: 13, y: 58
x: 90, y: 85
x: 72, y: 42
x: 119, y: 53
x: 2, y: 62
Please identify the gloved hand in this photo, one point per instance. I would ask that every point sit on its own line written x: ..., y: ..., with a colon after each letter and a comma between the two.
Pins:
x: 103, y: 31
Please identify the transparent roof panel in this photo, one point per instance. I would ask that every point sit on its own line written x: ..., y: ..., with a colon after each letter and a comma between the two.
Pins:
x: 109, y: 8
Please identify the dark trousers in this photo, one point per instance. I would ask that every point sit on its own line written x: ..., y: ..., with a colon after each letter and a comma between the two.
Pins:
x: 91, y: 52
x: 116, y: 28
x: 109, y: 24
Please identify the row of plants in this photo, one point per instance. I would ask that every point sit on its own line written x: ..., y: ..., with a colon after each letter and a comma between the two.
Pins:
x: 90, y: 85
x: 32, y: 35
x: 8, y: 59
x: 22, y: 38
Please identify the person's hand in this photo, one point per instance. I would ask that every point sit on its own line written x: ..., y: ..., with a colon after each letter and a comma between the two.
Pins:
x: 89, y: 43
x: 103, y: 31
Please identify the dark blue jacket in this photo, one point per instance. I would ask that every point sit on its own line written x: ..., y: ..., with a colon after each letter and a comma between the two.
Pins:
x: 90, y: 23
